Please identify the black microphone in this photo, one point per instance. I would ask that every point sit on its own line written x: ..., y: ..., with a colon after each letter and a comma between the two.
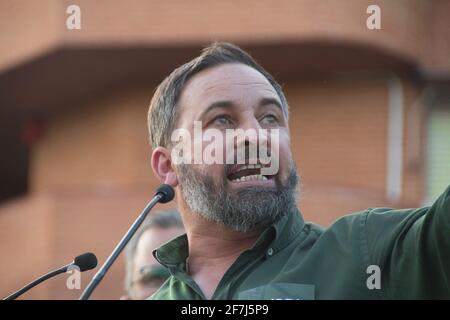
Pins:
x: 164, y: 193
x: 84, y: 262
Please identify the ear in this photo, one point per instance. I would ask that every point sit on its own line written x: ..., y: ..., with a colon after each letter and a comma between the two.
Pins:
x: 162, y: 166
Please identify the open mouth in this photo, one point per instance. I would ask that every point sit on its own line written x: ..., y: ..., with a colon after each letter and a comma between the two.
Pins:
x: 247, y: 172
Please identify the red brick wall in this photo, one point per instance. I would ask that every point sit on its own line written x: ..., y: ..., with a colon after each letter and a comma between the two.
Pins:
x: 414, y: 29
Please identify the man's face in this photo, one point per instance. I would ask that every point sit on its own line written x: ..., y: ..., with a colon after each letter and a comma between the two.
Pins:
x: 148, y: 274
x: 235, y: 96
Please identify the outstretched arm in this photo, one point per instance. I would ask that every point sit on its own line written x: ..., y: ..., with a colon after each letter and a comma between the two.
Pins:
x: 412, y: 248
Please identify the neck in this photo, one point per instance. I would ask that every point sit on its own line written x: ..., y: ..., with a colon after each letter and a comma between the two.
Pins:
x: 212, y: 245
x: 212, y: 251
x: 213, y: 248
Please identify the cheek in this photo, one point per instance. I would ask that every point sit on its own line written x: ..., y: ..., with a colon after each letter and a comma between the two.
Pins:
x: 215, y: 172
x: 213, y: 175
x: 285, y: 156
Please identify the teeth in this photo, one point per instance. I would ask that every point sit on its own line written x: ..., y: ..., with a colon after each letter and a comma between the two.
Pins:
x: 249, y: 166
x: 251, y: 178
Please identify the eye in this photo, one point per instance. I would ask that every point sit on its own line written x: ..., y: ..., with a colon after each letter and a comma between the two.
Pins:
x: 222, y: 120
x: 269, y: 119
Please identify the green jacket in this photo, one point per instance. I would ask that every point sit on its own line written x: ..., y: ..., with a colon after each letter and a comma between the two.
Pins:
x: 375, y: 254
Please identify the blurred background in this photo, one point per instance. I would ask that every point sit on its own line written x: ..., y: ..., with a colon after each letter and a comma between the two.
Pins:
x: 370, y: 113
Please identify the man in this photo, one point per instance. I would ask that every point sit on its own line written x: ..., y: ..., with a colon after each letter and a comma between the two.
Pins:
x: 144, y: 275
x: 245, y: 238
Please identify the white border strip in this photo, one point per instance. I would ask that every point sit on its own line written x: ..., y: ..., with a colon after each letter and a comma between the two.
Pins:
x: 395, y: 140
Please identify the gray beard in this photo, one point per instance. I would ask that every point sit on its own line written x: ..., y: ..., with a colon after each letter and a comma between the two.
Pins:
x: 246, y: 210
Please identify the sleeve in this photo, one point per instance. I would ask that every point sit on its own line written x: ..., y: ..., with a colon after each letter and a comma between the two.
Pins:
x: 412, y: 249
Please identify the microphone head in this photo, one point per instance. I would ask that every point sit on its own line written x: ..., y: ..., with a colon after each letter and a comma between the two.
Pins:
x: 85, y: 261
x: 167, y: 193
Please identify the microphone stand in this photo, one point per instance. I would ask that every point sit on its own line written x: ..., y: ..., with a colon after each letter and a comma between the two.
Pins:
x: 84, y: 262
x: 36, y: 282
x: 164, y: 194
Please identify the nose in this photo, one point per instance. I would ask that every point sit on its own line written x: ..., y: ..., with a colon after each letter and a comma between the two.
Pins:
x: 252, y: 137
x: 250, y: 122
x: 251, y: 127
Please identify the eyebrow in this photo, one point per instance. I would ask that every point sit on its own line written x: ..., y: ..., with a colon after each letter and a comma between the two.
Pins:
x: 229, y: 104
x: 269, y: 101
x: 216, y: 105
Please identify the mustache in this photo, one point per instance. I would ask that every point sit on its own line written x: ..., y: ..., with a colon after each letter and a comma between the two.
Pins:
x: 227, y: 170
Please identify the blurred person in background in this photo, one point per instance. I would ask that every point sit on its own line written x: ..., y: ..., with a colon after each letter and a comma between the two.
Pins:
x: 144, y: 275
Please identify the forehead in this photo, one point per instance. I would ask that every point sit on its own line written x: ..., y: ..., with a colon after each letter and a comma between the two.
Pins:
x: 230, y: 81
